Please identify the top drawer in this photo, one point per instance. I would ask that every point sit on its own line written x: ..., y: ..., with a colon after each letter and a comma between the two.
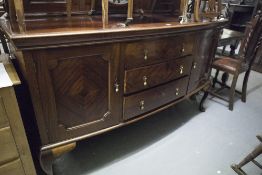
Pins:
x: 152, y: 51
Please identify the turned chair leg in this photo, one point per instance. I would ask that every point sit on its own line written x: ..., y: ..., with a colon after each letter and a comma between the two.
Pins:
x: 244, y: 87
x: 232, y: 92
x: 224, y: 78
x: 215, y: 79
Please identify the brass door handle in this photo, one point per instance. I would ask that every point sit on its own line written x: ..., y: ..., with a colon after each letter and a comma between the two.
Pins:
x: 145, y: 80
x: 145, y: 54
x: 142, y: 105
x: 116, y: 87
x: 177, y: 91
x: 183, y: 49
x: 181, y: 69
x: 195, y: 65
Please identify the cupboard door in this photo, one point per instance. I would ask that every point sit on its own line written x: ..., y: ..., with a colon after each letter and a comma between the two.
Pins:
x: 77, y: 89
x: 203, y: 55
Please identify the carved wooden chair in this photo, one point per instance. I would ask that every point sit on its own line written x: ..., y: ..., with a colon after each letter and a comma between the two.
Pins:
x: 249, y: 158
x: 207, y: 9
x: 243, y: 63
x: 104, y: 10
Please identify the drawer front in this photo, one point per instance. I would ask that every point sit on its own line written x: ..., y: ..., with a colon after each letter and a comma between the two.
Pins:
x: 150, y: 76
x: 148, y: 52
x: 146, y: 101
x: 12, y: 168
x: 8, y: 149
x: 3, y: 115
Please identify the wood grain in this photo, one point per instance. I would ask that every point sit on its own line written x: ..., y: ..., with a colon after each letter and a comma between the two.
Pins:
x: 147, y: 52
x: 151, y: 76
x: 154, y: 98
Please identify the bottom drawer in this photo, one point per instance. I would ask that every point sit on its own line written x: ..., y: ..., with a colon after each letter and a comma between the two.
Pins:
x: 146, y: 101
x: 12, y: 168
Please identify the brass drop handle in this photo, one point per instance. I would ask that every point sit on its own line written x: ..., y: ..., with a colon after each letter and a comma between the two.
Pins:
x: 145, y: 54
x: 183, y: 49
x: 181, y: 69
x: 195, y: 65
x: 145, y: 80
x: 116, y: 87
x: 142, y: 105
x: 177, y: 91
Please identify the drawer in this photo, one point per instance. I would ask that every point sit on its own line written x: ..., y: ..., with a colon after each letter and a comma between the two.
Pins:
x: 3, y: 115
x: 150, y: 76
x: 146, y: 101
x: 153, y: 51
x: 12, y: 168
x: 8, y: 149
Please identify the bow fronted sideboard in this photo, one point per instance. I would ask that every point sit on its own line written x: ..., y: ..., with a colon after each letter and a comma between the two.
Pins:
x: 85, y: 79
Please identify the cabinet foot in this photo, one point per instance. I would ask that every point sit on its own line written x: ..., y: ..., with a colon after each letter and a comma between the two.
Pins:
x: 201, y: 105
x: 206, y: 92
x: 47, y: 157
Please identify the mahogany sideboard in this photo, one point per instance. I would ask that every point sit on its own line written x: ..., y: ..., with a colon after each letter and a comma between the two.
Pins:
x: 85, y: 80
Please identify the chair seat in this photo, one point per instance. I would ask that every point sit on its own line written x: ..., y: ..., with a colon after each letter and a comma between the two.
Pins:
x: 229, y: 64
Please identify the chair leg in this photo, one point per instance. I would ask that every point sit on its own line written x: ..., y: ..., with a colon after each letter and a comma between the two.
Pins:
x: 215, y: 79
x: 232, y: 92
x: 244, y: 87
x: 224, y: 78
x: 238, y: 170
x: 256, y: 152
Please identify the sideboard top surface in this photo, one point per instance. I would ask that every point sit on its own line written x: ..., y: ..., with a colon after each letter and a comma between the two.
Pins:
x: 36, y: 32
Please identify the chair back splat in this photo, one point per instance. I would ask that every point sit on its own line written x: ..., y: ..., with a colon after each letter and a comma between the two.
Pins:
x: 252, y: 40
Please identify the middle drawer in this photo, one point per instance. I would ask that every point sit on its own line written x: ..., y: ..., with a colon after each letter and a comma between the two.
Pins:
x: 150, y: 76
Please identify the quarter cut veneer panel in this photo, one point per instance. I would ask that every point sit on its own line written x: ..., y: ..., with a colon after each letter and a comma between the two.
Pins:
x: 75, y: 88
x: 140, y: 103
x: 81, y: 91
x: 150, y: 76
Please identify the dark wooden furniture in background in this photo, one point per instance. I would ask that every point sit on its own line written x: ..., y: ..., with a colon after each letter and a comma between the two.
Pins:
x: 15, y: 154
x: 85, y: 79
x: 235, y: 66
x: 241, y: 12
x: 249, y: 158
x: 239, y: 16
x: 207, y: 9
